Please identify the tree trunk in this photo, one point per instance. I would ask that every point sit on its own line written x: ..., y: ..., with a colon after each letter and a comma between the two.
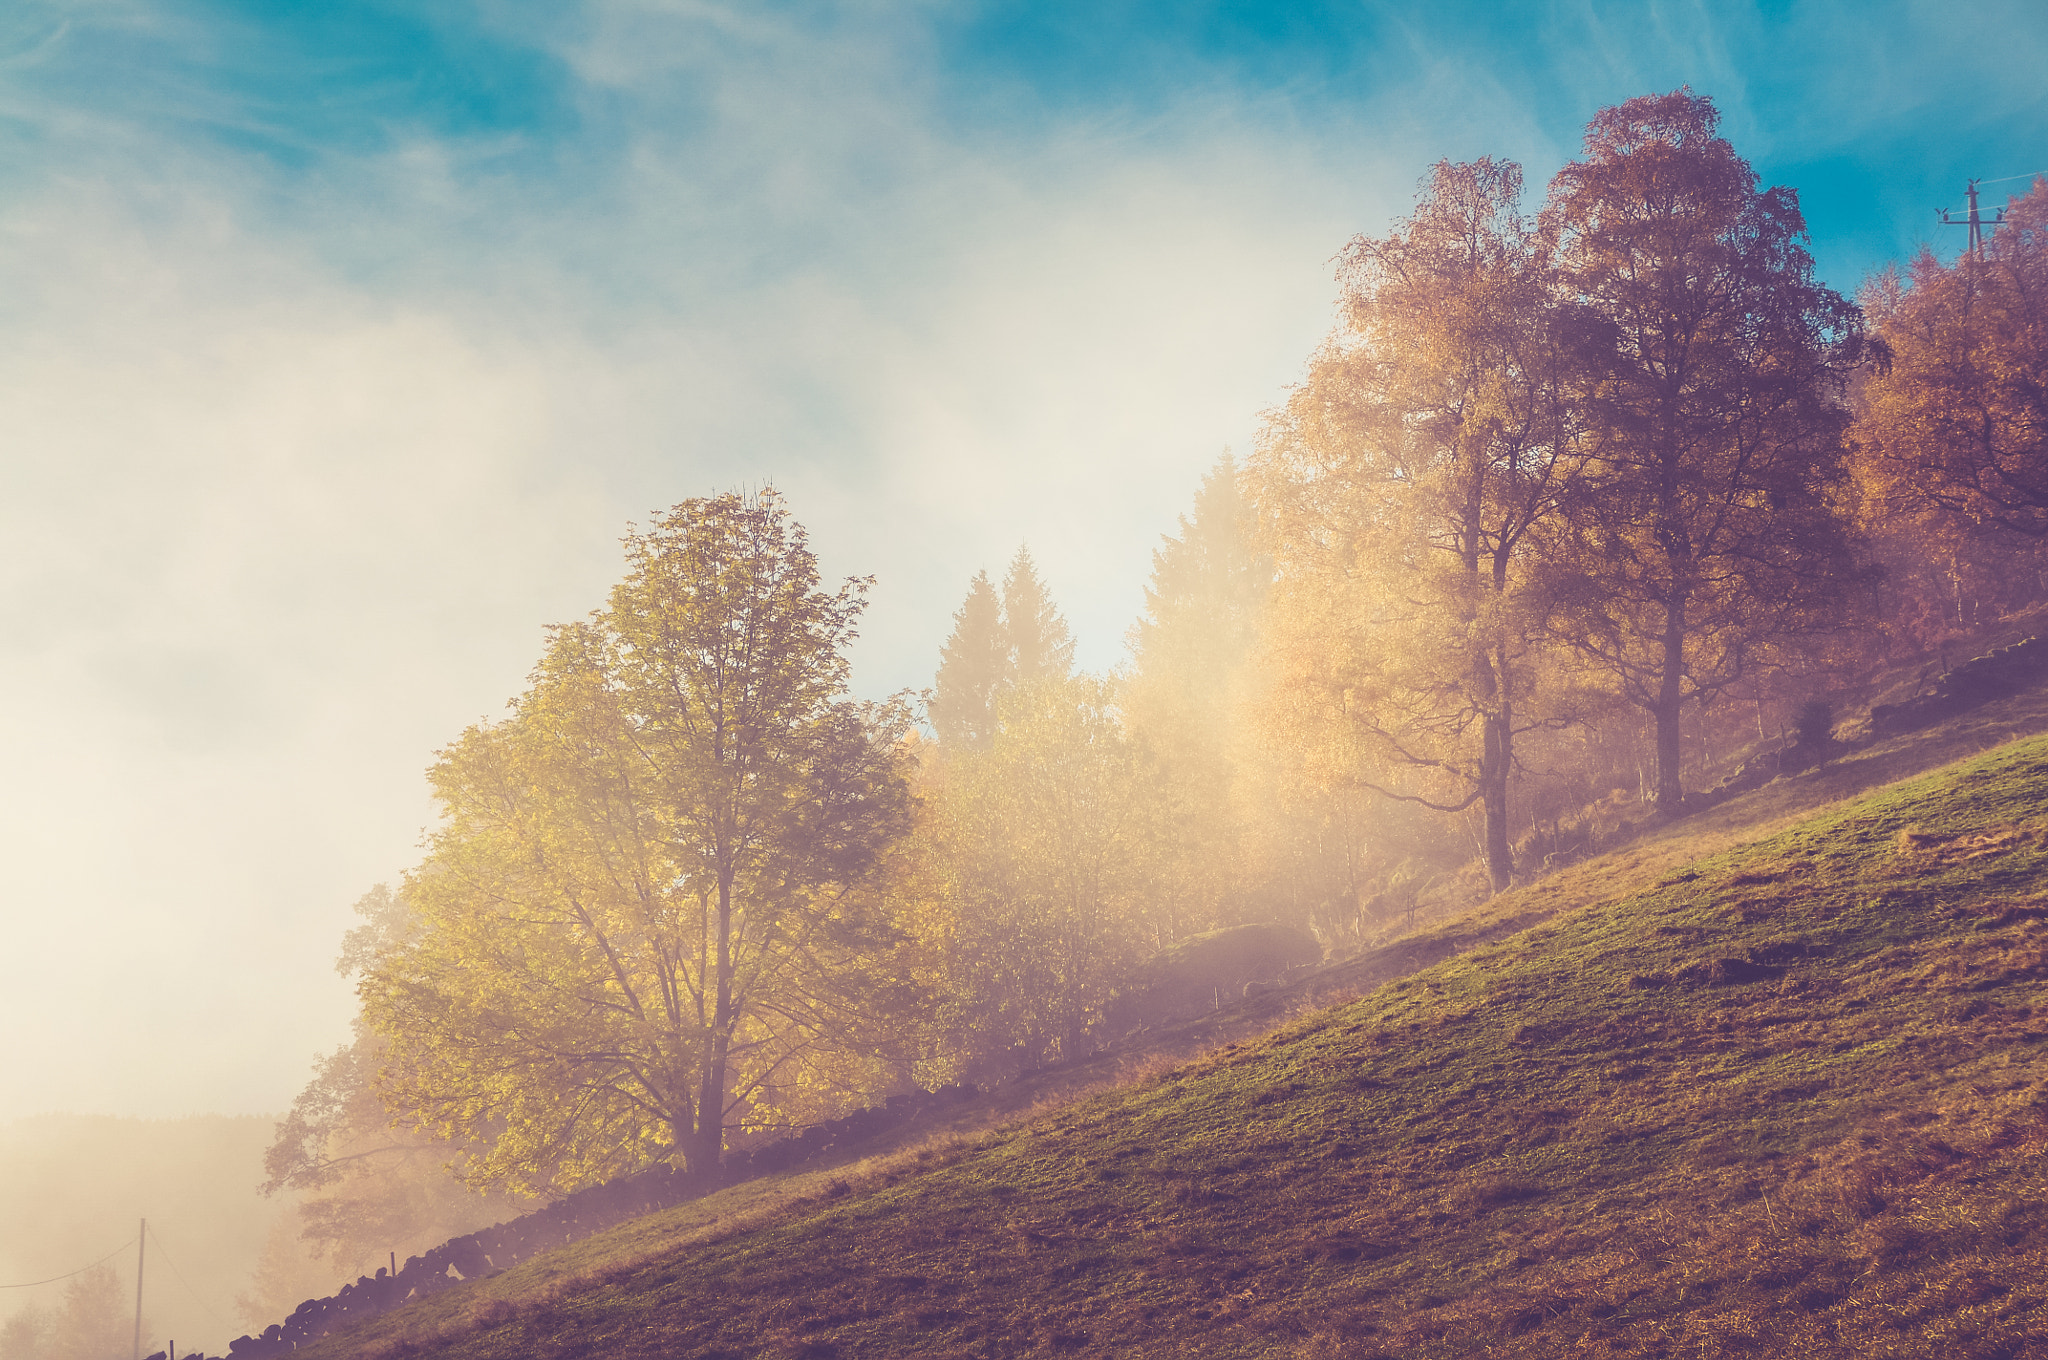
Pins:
x: 1497, y: 759
x: 1670, y: 705
x: 1493, y: 775
x: 710, y: 1142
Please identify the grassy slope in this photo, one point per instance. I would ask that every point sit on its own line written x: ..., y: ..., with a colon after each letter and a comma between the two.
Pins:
x: 1573, y: 1141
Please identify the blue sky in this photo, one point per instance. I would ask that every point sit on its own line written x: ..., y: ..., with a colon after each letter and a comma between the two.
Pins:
x: 340, y: 341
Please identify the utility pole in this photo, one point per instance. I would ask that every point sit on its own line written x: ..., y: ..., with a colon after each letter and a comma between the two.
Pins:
x: 141, y: 1239
x: 1975, y: 221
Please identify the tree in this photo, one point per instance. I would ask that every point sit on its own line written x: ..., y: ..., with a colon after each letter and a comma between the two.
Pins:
x: 1189, y: 655
x: 1957, y: 421
x: 1412, y: 487
x: 974, y: 667
x: 1202, y: 605
x: 1710, y: 373
x: 26, y: 1333
x: 1044, y: 845
x: 364, y: 1186
x: 644, y: 911
x: 1041, y: 647
x: 96, y: 1320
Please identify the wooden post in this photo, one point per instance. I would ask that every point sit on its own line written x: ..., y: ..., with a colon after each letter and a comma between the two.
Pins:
x: 141, y: 1238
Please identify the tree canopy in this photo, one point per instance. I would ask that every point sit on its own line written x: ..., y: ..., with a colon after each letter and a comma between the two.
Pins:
x: 1957, y: 421
x: 1410, y: 485
x: 642, y: 915
x: 974, y: 668
x: 1710, y: 391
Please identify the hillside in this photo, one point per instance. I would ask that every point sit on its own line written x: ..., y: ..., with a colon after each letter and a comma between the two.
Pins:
x: 1788, y: 1099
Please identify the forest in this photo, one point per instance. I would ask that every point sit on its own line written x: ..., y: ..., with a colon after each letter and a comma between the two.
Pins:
x: 1581, y: 513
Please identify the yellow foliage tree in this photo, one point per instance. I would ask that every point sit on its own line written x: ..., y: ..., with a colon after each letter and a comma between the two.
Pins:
x: 644, y: 915
x: 1951, y: 433
x: 1957, y: 421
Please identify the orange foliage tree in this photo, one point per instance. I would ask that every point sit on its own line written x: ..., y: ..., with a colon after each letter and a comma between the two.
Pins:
x: 1711, y: 377
x: 1952, y: 433
x: 1409, y: 487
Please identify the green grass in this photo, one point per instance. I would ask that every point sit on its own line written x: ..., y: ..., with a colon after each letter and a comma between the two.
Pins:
x: 1788, y: 1099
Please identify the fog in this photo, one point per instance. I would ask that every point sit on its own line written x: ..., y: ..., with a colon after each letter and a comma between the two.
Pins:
x: 330, y: 383
x: 77, y: 1188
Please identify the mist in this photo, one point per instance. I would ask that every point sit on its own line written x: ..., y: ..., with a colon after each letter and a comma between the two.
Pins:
x: 339, y: 354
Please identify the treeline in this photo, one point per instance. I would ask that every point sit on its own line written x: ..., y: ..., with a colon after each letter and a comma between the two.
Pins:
x: 74, y: 1189
x: 1573, y: 510
x: 94, y: 1319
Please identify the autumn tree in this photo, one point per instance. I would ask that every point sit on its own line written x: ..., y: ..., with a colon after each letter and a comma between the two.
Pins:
x: 974, y: 668
x: 1957, y: 420
x: 643, y: 911
x: 1950, y: 457
x: 1411, y: 488
x: 1710, y: 369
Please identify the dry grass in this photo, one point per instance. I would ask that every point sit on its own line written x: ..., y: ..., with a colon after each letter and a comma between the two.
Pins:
x: 1788, y: 1099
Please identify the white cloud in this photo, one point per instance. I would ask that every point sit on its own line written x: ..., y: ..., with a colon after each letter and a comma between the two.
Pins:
x: 300, y: 464
x: 295, y: 480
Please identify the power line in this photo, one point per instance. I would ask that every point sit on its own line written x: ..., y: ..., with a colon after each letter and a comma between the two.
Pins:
x: 1975, y: 221
x: 165, y: 1253
x: 67, y: 1275
x: 2029, y: 175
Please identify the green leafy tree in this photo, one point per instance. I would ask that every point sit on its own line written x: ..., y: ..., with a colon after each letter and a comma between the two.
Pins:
x: 1044, y: 849
x: 645, y: 911
x: 1710, y: 369
x: 974, y: 668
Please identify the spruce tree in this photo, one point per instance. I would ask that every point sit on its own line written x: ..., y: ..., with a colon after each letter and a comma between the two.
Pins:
x: 974, y: 667
x: 1202, y: 605
x: 1041, y: 646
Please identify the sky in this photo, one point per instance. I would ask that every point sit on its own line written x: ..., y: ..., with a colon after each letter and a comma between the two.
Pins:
x: 340, y: 342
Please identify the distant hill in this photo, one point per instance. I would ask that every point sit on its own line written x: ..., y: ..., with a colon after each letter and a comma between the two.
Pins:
x: 72, y: 1187
x: 1788, y: 1098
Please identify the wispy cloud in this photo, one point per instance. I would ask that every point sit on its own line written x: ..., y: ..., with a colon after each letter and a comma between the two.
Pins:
x: 338, y: 349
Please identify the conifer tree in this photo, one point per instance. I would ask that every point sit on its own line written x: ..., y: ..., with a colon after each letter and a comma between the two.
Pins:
x: 1188, y: 654
x: 1201, y: 607
x: 1041, y: 646
x: 974, y: 667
